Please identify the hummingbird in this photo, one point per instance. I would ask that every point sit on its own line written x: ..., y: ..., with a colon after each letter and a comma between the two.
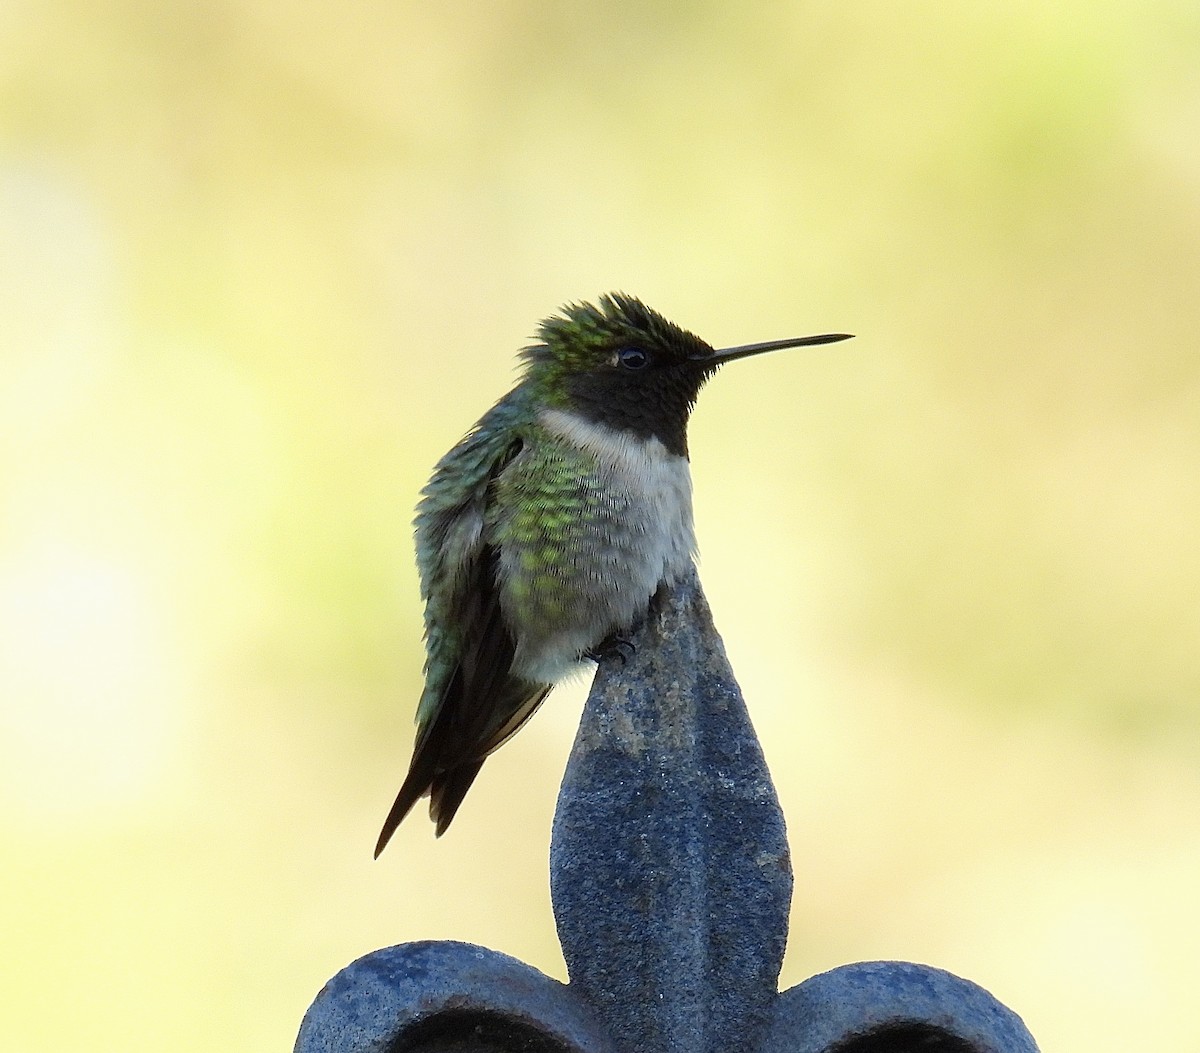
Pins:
x: 543, y: 535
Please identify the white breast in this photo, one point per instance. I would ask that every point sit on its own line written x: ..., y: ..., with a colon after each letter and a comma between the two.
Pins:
x: 660, y: 483
x: 656, y: 543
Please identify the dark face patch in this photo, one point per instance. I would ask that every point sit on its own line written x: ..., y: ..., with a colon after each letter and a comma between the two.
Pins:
x: 649, y: 401
x: 621, y: 365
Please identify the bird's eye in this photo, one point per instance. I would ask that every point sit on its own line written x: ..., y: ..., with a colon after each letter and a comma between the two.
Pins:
x: 632, y: 358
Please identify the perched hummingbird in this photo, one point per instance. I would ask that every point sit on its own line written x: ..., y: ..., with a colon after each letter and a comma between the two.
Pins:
x: 545, y: 532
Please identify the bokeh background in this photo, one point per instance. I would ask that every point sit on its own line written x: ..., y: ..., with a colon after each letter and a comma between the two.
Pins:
x: 261, y: 263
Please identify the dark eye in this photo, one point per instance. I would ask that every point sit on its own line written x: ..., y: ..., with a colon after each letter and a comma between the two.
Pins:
x: 633, y: 358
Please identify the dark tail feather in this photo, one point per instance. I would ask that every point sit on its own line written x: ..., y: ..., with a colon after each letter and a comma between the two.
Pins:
x: 416, y: 784
x: 447, y: 793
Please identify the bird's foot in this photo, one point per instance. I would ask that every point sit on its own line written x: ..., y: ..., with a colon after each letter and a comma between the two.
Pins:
x: 614, y: 646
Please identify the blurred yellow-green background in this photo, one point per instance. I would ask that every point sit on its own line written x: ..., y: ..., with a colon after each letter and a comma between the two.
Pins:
x: 261, y: 263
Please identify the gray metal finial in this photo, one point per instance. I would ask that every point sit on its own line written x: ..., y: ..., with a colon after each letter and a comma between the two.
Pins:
x: 669, y: 862
x: 671, y: 884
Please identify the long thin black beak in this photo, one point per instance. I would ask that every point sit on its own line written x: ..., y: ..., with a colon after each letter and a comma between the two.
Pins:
x: 728, y: 354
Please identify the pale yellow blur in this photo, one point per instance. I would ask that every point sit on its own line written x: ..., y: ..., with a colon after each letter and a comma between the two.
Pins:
x: 261, y: 263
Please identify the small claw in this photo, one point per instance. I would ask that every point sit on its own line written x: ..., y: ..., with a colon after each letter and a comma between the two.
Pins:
x: 612, y: 647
